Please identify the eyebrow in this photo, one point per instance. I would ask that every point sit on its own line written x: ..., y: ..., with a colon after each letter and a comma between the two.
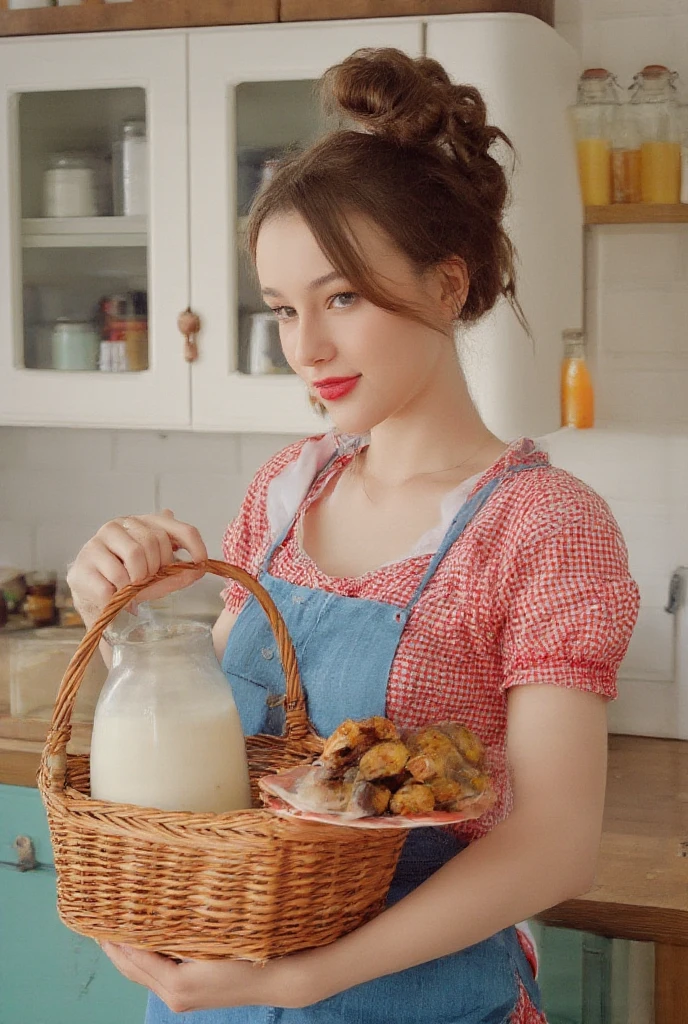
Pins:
x: 334, y: 275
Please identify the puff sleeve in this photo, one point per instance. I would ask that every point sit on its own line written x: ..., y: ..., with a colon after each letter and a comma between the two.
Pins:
x: 570, y: 604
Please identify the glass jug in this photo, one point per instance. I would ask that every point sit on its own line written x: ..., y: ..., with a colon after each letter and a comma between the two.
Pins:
x: 655, y: 107
x: 166, y: 730
x: 593, y: 118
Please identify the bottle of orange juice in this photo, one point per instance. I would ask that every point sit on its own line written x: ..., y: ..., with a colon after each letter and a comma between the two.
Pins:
x: 655, y: 105
x: 593, y: 118
x: 577, y: 399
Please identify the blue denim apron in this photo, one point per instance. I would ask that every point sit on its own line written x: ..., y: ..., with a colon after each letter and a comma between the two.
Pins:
x: 345, y: 647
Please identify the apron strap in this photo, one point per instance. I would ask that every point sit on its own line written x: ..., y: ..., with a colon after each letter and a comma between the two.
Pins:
x: 463, y: 517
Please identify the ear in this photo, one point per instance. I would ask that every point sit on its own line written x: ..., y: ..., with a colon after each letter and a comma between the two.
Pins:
x: 455, y: 285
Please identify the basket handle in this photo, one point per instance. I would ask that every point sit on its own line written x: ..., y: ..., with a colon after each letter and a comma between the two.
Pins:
x: 298, y: 727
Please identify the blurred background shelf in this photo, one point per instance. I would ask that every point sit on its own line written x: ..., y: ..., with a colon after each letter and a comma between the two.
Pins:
x: 637, y: 213
x: 83, y: 232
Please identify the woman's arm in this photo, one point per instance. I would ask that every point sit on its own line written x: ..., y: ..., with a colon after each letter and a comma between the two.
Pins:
x: 543, y: 853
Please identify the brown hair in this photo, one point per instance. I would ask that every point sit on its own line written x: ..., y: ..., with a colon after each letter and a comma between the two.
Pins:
x: 420, y: 169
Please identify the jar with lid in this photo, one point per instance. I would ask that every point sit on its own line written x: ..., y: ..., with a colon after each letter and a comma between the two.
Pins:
x: 655, y: 107
x: 593, y: 119
x: 130, y: 169
x: 75, y: 344
x: 577, y: 399
x: 166, y: 731
x: 70, y: 187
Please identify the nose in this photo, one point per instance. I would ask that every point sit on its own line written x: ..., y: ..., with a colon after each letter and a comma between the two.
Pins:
x: 312, y: 344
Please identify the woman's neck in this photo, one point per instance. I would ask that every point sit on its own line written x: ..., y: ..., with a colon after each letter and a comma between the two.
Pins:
x: 440, y: 433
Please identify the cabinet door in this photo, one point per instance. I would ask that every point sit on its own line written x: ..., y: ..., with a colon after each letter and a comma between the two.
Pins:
x: 48, y: 974
x: 93, y: 230
x: 251, y: 96
x: 527, y: 74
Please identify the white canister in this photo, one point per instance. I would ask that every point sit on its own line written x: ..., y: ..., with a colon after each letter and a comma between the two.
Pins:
x: 264, y: 349
x: 69, y: 187
x: 75, y: 344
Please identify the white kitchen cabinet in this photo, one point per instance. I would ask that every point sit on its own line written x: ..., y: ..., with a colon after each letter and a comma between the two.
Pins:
x: 72, y: 94
x: 208, y: 98
x: 251, y: 92
x: 527, y: 74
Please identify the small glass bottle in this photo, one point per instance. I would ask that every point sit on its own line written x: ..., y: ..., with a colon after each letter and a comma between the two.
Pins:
x: 593, y: 117
x: 577, y: 399
x: 625, y: 157
x: 656, y: 112
x: 166, y: 730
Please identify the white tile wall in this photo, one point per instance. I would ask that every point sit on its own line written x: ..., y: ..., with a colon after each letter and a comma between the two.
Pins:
x: 58, y: 486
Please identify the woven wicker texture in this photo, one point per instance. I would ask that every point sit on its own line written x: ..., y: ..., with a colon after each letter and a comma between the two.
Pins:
x: 204, y: 886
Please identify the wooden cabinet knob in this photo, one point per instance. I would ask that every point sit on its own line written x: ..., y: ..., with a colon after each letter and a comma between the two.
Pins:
x: 189, y: 323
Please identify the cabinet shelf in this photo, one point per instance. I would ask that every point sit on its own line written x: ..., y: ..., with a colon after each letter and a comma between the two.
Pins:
x: 637, y: 213
x: 83, y: 232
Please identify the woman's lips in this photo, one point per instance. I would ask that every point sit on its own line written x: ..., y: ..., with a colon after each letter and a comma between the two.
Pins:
x: 336, y: 387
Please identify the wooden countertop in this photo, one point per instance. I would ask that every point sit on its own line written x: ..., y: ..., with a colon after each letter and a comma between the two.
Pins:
x: 641, y: 889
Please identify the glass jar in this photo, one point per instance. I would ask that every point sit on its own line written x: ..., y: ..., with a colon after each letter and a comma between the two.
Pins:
x: 166, y: 730
x: 593, y: 118
x: 130, y: 169
x: 75, y: 345
x: 625, y: 156
x: 656, y: 111
x: 70, y: 187
x: 39, y: 603
x: 577, y: 399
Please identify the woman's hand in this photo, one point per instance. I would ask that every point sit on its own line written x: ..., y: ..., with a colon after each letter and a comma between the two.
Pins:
x: 127, y: 550
x: 212, y: 984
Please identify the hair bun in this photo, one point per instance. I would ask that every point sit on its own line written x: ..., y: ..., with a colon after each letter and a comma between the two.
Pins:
x: 411, y: 101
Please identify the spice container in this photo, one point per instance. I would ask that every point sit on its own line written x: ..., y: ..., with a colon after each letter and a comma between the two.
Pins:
x: 656, y: 112
x: 39, y: 603
x: 593, y: 118
x: 130, y: 169
x: 75, y: 345
x: 70, y: 187
x: 577, y: 399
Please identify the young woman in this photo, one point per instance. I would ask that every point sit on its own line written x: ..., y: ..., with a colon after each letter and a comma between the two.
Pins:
x: 425, y: 569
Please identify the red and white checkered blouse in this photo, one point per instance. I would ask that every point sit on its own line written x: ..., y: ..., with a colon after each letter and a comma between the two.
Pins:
x: 535, y: 590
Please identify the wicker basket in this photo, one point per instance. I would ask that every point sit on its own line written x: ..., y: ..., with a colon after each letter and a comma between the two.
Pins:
x: 247, y: 884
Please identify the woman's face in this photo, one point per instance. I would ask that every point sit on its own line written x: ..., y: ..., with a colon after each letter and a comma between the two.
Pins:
x: 365, y: 364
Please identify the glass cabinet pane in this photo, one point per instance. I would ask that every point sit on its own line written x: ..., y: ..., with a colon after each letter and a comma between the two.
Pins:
x: 273, y: 118
x: 83, y: 181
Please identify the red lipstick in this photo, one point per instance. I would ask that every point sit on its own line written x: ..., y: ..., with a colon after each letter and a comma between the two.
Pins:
x: 331, y: 388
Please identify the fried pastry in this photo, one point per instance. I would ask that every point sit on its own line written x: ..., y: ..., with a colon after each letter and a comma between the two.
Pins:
x: 383, y: 760
x: 369, y: 798
x: 351, y: 740
x: 413, y: 798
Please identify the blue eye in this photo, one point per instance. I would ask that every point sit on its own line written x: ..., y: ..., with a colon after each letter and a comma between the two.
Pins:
x: 284, y: 312
x: 347, y: 299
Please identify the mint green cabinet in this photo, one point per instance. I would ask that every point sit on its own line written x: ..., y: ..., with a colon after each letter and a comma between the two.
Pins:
x: 48, y: 974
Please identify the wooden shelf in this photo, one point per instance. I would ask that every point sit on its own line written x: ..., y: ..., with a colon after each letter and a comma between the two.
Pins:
x: 83, y: 232
x: 637, y: 213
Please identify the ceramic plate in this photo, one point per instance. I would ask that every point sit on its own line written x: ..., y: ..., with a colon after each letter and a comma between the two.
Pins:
x: 280, y: 797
